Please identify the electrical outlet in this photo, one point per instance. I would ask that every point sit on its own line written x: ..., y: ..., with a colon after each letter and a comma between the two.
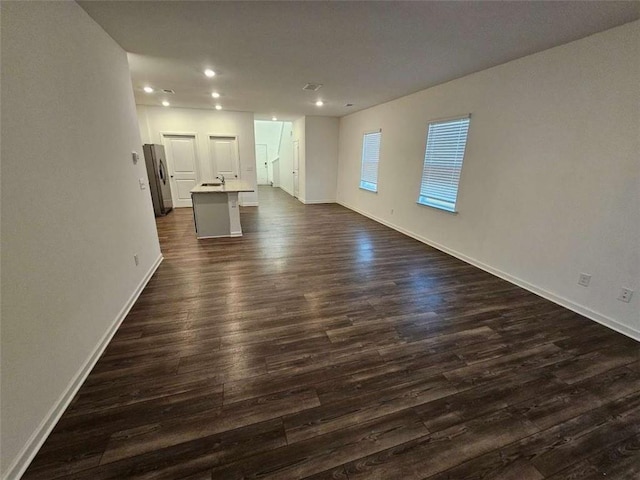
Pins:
x: 143, y: 184
x: 584, y: 279
x: 625, y: 295
x: 136, y: 259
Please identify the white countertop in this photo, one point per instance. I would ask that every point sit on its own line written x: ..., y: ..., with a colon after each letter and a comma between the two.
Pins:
x: 228, y: 187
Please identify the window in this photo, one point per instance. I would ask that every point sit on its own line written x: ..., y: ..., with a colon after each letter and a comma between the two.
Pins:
x: 446, y: 142
x: 370, y: 158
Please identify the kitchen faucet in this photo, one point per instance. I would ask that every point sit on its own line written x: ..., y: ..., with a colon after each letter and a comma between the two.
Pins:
x: 221, y: 177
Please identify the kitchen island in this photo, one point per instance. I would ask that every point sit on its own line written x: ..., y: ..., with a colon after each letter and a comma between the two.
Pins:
x: 216, y: 212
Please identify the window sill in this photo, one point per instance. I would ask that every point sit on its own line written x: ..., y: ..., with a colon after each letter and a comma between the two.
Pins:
x: 442, y: 208
x: 368, y: 189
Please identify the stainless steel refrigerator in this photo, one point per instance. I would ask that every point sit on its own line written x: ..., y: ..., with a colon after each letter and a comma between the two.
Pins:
x: 158, y: 174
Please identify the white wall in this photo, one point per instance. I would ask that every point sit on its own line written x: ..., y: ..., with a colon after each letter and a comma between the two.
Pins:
x: 154, y: 121
x: 286, y: 158
x: 73, y: 214
x: 268, y: 133
x: 318, y: 171
x: 551, y: 180
x: 321, y: 159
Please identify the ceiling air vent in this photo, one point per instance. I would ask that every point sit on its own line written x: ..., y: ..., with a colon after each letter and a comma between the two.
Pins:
x: 168, y: 90
x: 312, y: 87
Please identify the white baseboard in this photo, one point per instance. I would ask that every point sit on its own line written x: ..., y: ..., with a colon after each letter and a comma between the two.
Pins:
x: 581, y: 309
x: 31, y: 448
x: 249, y: 204
x: 232, y: 234
x: 316, y: 202
x: 282, y: 187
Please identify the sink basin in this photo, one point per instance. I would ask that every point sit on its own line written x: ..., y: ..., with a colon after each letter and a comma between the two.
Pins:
x: 212, y: 184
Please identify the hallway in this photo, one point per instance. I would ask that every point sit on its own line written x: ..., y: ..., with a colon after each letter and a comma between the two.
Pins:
x: 324, y: 345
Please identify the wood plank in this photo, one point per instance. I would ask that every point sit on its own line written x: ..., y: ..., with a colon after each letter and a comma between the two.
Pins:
x: 146, y: 438
x: 578, y: 447
x: 621, y: 460
x: 196, y: 457
x: 328, y: 451
x: 558, y: 448
x: 470, y: 403
x: 374, y: 403
x: 442, y: 450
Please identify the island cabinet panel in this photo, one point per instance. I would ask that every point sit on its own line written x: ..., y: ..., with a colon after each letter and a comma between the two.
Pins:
x: 211, y: 215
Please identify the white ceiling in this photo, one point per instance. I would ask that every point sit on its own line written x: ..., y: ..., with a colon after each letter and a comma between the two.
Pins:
x: 363, y: 53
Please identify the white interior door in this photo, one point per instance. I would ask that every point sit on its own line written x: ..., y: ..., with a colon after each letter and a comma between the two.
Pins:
x: 262, y: 169
x: 296, y: 165
x: 182, y: 162
x: 224, y: 156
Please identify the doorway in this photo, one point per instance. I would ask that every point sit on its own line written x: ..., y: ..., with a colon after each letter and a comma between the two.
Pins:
x: 262, y: 168
x: 296, y: 164
x: 224, y: 157
x: 182, y: 162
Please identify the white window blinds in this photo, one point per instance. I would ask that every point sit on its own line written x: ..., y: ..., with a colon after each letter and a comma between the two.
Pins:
x: 446, y: 142
x: 370, y: 159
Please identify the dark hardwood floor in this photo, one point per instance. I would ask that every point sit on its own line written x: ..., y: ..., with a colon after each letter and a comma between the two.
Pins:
x: 323, y: 345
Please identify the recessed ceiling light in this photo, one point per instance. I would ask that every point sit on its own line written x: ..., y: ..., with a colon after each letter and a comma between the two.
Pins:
x: 319, y: 103
x: 209, y: 73
x: 218, y: 107
x: 215, y: 95
x: 275, y: 119
x: 165, y: 103
x: 148, y: 89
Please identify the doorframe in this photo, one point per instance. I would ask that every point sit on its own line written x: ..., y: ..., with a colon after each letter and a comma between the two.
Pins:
x: 225, y: 135
x: 164, y: 134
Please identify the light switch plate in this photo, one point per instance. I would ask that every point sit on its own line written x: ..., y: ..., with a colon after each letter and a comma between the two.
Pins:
x: 584, y: 279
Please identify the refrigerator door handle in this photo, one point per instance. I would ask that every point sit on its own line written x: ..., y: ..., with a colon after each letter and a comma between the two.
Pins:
x: 163, y: 175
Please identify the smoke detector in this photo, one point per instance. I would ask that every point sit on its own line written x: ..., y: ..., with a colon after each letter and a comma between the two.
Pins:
x: 312, y: 87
